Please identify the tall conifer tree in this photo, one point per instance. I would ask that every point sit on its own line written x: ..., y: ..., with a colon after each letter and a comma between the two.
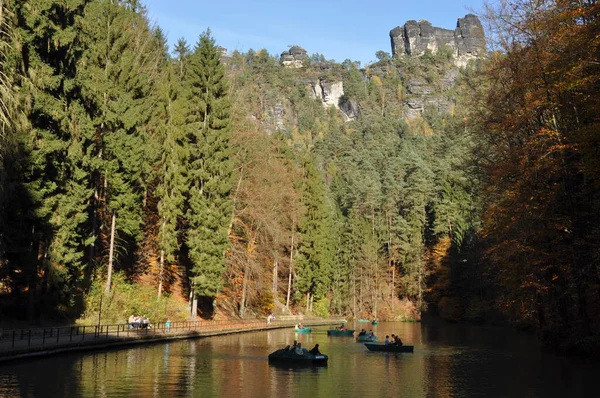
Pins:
x: 50, y: 210
x: 210, y: 168
x: 120, y: 66
x: 315, y: 253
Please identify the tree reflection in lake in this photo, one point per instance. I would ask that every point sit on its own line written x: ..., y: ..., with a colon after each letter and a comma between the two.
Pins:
x: 449, y: 360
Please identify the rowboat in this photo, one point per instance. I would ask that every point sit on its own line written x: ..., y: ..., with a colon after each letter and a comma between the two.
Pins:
x: 365, y: 337
x: 363, y: 320
x: 390, y: 347
x: 336, y: 332
x: 302, y: 330
x: 375, y: 322
x: 291, y: 356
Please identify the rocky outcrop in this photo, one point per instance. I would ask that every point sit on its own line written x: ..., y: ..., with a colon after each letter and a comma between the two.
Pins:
x: 331, y: 93
x: 466, y: 42
x: 328, y: 92
x: 349, y: 107
x: 295, y: 57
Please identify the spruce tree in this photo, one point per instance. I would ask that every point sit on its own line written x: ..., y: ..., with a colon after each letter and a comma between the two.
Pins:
x: 210, y: 168
x: 317, y: 246
x: 49, y: 209
x: 170, y: 168
x: 119, y: 67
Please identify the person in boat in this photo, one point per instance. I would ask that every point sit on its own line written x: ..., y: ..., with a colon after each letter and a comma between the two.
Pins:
x: 398, y: 341
x: 362, y: 332
x: 371, y: 334
x: 299, y: 326
x: 387, y: 340
x: 393, y: 339
x: 343, y: 327
x: 299, y: 349
x: 315, y: 350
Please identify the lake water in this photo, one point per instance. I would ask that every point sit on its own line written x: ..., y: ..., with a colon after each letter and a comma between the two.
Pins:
x: 448, y: 361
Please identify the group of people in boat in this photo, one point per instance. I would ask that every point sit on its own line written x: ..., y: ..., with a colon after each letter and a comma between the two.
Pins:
x: 139, y: 322
x: 299, y: 350
x: 342, y: 328
x: 363, y: 332
x: 395, y: 340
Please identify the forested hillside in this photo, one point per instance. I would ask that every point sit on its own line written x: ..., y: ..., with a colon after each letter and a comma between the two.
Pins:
x: 192, y: 181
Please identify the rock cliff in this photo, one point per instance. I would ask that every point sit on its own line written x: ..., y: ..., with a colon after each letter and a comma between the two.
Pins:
x: 332, y: 93
x: 295, y: 57
x: 466, y: 42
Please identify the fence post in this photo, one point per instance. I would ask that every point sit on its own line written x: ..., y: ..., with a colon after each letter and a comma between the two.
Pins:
x: 13, y: 343
x: 71, y: 335
x: 57, y: 335
x: 43, y: 336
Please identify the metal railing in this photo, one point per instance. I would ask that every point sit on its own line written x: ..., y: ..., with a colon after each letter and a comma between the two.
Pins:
x: 55, y: 337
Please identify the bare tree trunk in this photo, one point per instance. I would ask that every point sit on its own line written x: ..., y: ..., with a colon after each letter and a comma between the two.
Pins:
x: 307, y: 301
x: 160, y: 272
x: 237, y: 189
x: 287, y: 302
x: 244, y: 290
x: 354, y: 297
x: 275, y: 276
x: 92, y: 249
x: 390, y: 263
x: 194, y: 306
x: 111, y: 250
x: 393, y: 287
x: 161, y: 264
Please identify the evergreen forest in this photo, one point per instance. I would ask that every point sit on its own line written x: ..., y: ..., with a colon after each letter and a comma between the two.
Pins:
x: 187, y: 181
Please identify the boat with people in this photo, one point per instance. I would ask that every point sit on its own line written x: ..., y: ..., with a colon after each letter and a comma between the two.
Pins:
x: 301, y: 329
x: 298, y: 355
x: 389, y: 347
x: 375, y: 322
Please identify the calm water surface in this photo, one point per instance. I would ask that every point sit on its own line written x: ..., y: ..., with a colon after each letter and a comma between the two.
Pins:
x: 449, y: 361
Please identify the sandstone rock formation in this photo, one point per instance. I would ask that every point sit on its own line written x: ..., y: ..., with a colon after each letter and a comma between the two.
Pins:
x: 332, y: 93
x: 467, y: 41
x: 295, y: 57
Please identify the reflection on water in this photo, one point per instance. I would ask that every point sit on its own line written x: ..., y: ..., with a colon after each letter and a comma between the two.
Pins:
x: 449, y: 360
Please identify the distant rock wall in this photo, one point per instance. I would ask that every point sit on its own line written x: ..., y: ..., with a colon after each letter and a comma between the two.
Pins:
x: 332, y: 93
x: 295, y: 57
x: 467, y: 41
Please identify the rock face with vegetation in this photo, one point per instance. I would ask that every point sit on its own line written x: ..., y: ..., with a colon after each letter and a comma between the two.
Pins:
x: 466, y: 42
x: 428, y: 83
x: 295, y: 57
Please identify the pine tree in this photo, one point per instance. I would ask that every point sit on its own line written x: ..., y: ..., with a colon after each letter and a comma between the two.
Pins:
x: 51, y: 170
x: 316, y: 249
x: 210, y: 167
x: 170, y: 168
x: 117, y: 74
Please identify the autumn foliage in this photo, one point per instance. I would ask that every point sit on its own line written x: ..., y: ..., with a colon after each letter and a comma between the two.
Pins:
x: 541, y: 119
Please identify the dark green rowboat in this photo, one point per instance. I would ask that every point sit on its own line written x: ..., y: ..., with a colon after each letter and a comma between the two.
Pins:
x: 365, y: 337
x: 389, y: 347
x: 302, y: 330
x: 336, y: 332
x: 290, y: 356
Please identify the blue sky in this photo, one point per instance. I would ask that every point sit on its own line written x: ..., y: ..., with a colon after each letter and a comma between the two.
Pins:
x: 338, y: 29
